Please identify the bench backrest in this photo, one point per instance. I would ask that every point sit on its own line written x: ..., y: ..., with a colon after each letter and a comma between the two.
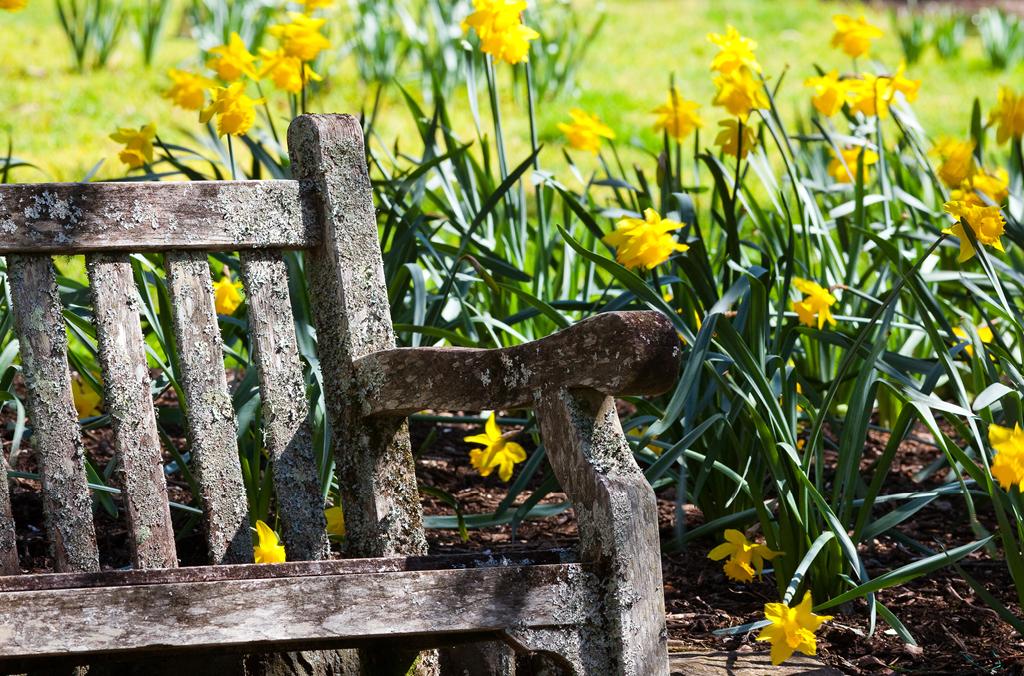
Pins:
x: 328, y: 212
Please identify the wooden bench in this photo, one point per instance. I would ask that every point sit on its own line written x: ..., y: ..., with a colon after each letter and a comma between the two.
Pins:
x: 601, y: 613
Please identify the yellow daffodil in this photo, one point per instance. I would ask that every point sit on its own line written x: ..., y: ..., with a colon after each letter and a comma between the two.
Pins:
x: 815, y: 307
x: 499, y: 25
x: 233, y: 60
x: 830, y: 92
x: 1008, y: 464
x: 310, y: 6
x: 984, y: 332
x: 844, y: 169
x: 87, y: 400
x: 900, y: 84
x: 497, y: 451
x: 986, y: 222
x: 335, y: 521
x: 301, y: 37
x: 739, y: 92
x: 13, y: 5
x: 981, y: 186
x: 585, y: 131
x: 288, y: 73
x: 957, y: 160
x: 746, y: 558
x: 644, y: 242
x: 188, y: 90
x: 227, y: 295
x: 872, y: 94
x: 268, y: 548
x: 677, y: 117
x: 138, y: 145
x: 734, y: 51
x: 1008, y: 115
x: 730, y: 141
x: 854, y: 36
x: 235, y: 111
x: 791, y: 629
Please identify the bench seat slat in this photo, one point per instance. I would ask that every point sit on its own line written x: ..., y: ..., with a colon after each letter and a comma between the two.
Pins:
x: 210, y: 416
x: 290, y: 611
x: 56, y: 436
x: 70, y: 218
x: 286, y: 426
x: 126, y: 383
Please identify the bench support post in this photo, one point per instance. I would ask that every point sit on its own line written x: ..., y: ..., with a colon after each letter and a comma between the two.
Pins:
x: 618, y: 518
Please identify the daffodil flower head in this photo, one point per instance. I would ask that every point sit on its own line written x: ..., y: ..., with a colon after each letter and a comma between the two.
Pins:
x: 87, y: 400
x: 745, y: 558
x: 854, y: 36
x: 235, y: 111
x: 992, y: 186
x: 227, y: 295
x: 288, y: 73
x: 13, y: 5
x: 644, y: 243
x: 301, y: 36
x: 957, y: 160
x: 188, y: 90
x: 735, y: 138
x: 844, y: 168
x: 986, y: 222
x: 1008, y: 115
x: 791, y: 629
x: 268, y: 547
x: 830, y: 92
x: 677, y: 117
x: 138, y: 145
x: 497, y: 452
x: 585, y: 131
x: 233, y: 60
x: 734, y: 51
x: 984, y: 332
x: 335, y: 521
x: 740, y: 92
x: 815, y: 307
x: 1008, y: 464
x: 499, y: 25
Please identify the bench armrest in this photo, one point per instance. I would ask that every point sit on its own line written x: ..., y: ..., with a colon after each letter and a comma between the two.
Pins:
x: 615, y: 353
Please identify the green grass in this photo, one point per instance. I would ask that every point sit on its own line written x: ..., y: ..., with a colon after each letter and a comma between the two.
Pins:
x: 60, y: 119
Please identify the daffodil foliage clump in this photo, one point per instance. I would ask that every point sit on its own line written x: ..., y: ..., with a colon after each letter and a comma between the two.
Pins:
x: 829, y: 273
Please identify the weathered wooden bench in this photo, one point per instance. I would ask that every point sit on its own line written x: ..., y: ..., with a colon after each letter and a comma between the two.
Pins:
x: 599, y: 614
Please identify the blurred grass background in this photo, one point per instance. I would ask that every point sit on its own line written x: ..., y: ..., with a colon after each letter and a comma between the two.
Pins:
x: 60, y: 119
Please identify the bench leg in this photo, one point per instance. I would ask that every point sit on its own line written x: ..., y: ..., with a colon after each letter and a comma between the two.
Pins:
x: 618, y: 522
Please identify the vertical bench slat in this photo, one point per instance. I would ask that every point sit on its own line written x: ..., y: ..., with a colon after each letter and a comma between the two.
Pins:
x: 56, y: 436
x: 8, y: 543
x: 286, y: 428
x: 376, y: 472
x: 130, y: 404
x: 210, y: 416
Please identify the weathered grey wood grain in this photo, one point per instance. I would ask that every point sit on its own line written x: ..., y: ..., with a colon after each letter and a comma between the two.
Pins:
x: 209, y: 215
x: 56, y: 436
x: 286, y: 427
x: 373, y: 458
x: 8, y: 542
x: 374, y: 461
x: 290, y: 611
x: 614, y: 353
x: 618, y: 524
x: 255, y: 571
x: 209, y: 413
x: 126, y: 385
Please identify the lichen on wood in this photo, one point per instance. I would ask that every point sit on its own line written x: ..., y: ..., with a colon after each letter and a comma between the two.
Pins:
x: 56, y: 437
x: 209, y: 413
x: 128, y: 399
